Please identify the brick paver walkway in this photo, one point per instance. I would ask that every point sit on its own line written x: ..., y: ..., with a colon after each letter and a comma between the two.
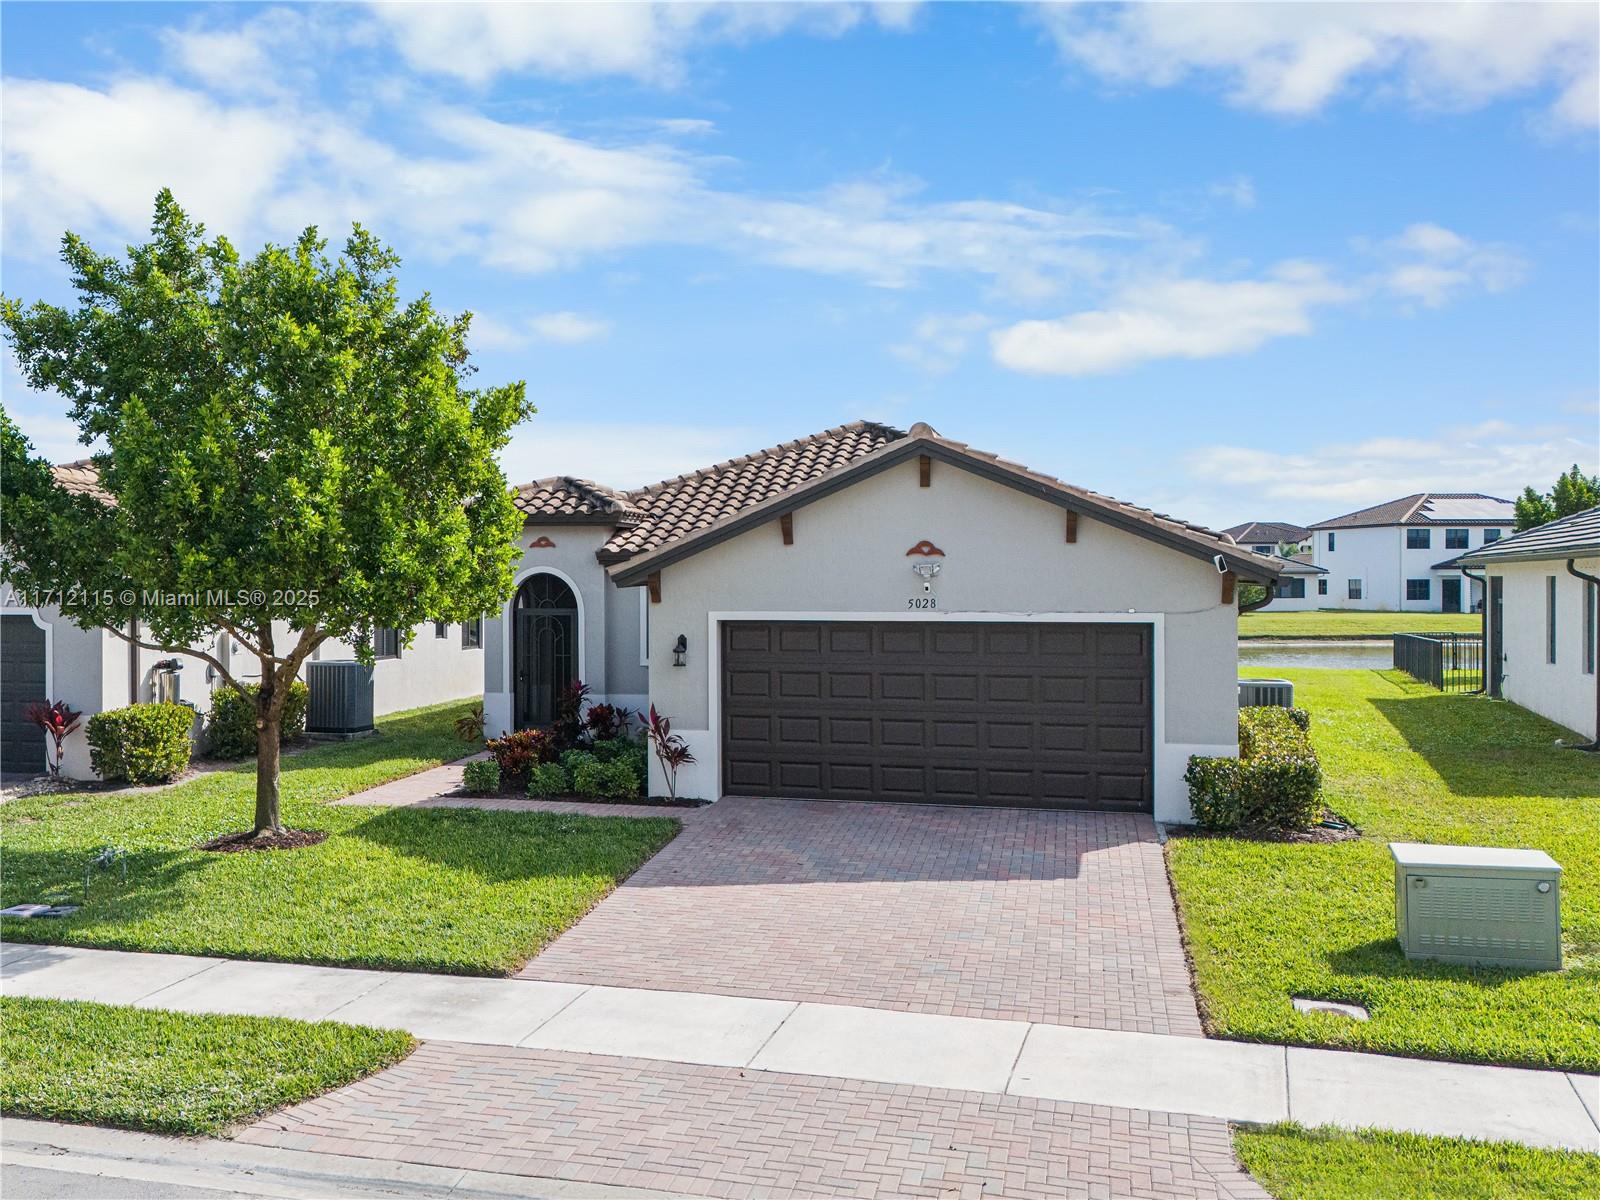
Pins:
x: 727, y: 1132
x: 436, y: 788
x: 1060, y: 917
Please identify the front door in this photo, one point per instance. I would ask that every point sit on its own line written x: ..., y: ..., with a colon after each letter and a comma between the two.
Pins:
x: 1451, y: 594
x: 1497, y: 658
x: 544, y: 648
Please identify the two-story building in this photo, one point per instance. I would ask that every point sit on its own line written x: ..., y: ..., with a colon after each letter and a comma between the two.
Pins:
x: 1393, y: 557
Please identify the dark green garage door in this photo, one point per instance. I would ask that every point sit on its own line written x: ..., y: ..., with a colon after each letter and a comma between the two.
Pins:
x: 21, y: 682
x: 1004, y: 713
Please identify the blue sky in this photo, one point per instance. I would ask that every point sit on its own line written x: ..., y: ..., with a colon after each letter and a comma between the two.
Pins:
x: 1232, y: 262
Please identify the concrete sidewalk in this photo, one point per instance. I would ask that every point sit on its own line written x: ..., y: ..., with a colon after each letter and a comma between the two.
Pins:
x: 1155, y: 1072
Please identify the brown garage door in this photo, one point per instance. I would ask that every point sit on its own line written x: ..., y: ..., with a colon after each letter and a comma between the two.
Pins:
x: 1038, y: 715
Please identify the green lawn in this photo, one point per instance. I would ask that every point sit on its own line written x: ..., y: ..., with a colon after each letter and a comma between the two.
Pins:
x: 1266, y: 921
x: 181, y: 1073
x: 1326, y: 1164
x: 1344, y: 624
x: 449, y: 890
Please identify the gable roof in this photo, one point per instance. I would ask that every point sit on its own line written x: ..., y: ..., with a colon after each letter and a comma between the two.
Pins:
x: 1258, y: 532
x: 1302, y: 564
x: 678, y: 507
x: 1429, y: 508
x: 564, y: 499
x: 1577, y: 536
x: 922, y: 439
x: 82, y: 478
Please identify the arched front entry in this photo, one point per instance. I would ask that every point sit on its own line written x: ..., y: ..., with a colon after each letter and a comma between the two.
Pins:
x: 544, y: 647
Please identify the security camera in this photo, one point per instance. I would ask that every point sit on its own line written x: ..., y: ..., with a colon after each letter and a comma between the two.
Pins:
x: 1221, y: 564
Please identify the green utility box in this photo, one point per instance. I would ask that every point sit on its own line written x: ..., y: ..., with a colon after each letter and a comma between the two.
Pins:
x: 1478, y: 904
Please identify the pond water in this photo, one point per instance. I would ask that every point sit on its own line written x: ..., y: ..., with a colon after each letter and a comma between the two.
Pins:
x: 1346, y: 655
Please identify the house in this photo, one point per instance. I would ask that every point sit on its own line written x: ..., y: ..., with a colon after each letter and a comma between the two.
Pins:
x: 1301, y: 585
x: 1387, y: 557
x: 43, y: 655
x: 1540, y: 621
x: 874, y: 613
x: 1271, y: 537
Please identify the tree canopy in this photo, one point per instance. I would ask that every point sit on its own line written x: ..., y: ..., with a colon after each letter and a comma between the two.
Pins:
x: 293, y: 452
x: 1572, y: 492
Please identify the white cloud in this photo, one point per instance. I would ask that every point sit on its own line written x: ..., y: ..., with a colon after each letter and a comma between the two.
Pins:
x: 621, y: 454
x: 569, y: 328
x: 940, y: 341
x: 515, y: 196
x: 1241, y: 190
x: 1322, y: 481
x: 1171, y: 318
x: 1434, y: 265
x: 1296, y: 58
x: 647, y: 42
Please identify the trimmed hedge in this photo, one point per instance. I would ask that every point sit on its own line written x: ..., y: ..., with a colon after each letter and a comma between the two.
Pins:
x: 481, y: 777
x: 612, y: 780
x: 572, y: 760
x: 548, y: 779
x: 1275, y: 783
x: 232, y: 731
x: 142, y: 743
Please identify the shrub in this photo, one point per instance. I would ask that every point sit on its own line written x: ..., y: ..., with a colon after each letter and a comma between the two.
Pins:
x: 481, y: 777
x: 571, y: 760
x: 548, y: 779
x: 612, y: 780
x: 232, y: 731
x: 1273, y: 784
x: 518, y: 753
x: 1300, y: 717
x: 143, y: 743
x: 607, y: 722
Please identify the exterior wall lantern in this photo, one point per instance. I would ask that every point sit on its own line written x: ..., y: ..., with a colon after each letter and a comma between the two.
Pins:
x: 679, y: 649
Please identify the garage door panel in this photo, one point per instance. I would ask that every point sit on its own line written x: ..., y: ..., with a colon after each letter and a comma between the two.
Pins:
x: 22, y: 681
x: 746, y: 639
x: 958, y: 713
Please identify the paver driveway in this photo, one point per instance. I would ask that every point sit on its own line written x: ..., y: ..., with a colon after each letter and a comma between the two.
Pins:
x: 1061, y: 917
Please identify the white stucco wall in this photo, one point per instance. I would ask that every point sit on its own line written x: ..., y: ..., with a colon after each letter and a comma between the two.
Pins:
x: 1561, y: 691
x: 1005, y: 558
x: 1378, y: 556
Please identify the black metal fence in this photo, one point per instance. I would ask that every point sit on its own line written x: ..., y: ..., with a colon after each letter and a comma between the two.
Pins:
x: 1451, y: 662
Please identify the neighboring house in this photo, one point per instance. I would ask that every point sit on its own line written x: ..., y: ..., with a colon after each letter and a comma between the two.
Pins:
x: 1541, y: 618
x: 1301, y: 587
x: 1271, y: 537
x: 1387, y: 557
x: 873, y: 614
x: 45, y: 656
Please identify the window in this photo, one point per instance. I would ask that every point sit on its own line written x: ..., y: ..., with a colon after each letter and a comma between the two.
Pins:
x: 1291, y: 589
x: 1330, y: 539
x: 1492, y: 535
x: 1550, y: 619
x: 1322, y: 587
x: 1455, y: 539
x: 1419, y: 539
x: 1418, y: 589
x: 440, y: 629
x: 1263, y: 549
x: 386, y: 642
x: 1591, y: 603
x: 644, y: 626
x: 1353, y: 589
x: 472, y: 634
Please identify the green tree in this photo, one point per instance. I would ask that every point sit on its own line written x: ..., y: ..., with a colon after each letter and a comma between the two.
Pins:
x: 1572, y: 493
x: 292, y: 451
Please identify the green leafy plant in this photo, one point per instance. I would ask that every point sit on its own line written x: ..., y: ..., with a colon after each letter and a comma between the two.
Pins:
x: 290, y: 446
x: 469, y: 726
x: 232, y: 729
x: 1275, y: 783
x: 612, y: 780
x: 519, y: 752
x: 571, y: 760
x: 1572, y: 492
x: 481, y: 777
x: 142, y: 743
x: 548, y: 779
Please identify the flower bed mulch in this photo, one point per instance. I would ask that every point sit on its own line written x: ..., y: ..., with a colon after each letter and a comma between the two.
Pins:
x: 287, y: 839
x: 1331, y: 827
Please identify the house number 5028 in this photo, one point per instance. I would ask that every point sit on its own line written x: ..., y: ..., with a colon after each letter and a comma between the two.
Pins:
x: 923, y: 602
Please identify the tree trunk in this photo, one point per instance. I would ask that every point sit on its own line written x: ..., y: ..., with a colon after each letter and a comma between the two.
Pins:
x: 267, y: 819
